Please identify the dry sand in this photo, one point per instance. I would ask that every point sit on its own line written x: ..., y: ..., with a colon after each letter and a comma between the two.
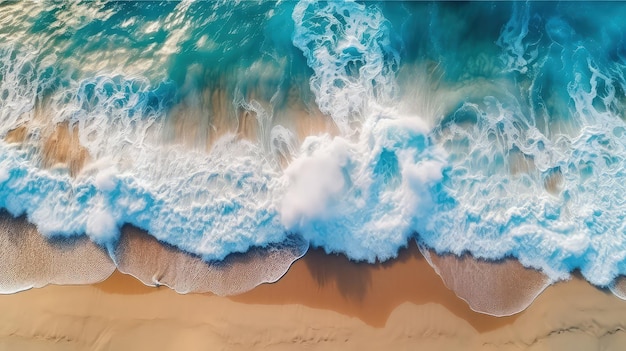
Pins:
x: 324, y: 302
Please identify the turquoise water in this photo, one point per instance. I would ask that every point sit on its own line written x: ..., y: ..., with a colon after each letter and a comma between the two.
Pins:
x: 490, y: 128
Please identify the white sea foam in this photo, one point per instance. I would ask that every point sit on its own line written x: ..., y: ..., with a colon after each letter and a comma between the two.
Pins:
x: 532, y: 170
x: 348, y: 47
x: 361, y: 195
x: 187, y: 198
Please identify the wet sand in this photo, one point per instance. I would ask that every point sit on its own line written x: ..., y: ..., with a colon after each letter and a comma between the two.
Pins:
x: 324, y: 302
x: 369, y: 292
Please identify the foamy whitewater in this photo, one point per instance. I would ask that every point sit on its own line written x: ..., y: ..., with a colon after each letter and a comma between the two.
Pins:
x: 494, y: 129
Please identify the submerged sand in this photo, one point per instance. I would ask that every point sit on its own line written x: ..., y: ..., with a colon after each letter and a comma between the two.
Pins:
x: 324, y: 302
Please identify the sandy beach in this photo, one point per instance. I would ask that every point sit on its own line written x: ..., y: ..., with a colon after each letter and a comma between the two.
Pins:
x: 324, y: 302
x: 178, y: 175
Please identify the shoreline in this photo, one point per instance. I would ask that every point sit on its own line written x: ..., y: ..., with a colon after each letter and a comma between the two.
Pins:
x: 369, y: 292
x: 322, y: 302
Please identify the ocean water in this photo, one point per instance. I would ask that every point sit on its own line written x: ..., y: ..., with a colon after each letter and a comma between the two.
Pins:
x: 495, y: 129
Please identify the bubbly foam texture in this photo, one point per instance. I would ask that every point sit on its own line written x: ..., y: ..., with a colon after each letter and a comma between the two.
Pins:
x: 516, y: 150
x: 347, y: 45
x: 155, y: 264
x: 506, y: 287
x: 31, y: 261
x: 358, y: 195
x: 118, y: 121
x: 545, y: 191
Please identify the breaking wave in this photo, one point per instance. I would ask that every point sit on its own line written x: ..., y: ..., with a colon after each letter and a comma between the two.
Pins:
x: 221, y: 129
